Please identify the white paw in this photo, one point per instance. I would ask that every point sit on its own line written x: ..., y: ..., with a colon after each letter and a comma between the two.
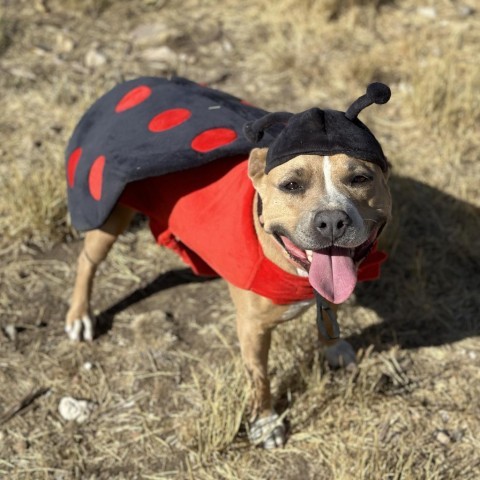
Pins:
x: 268, y: 432
x: 341, y: 355
x: 81, y: 329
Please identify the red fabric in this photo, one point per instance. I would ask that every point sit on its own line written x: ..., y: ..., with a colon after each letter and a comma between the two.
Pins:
x: 72, y: 166
x: 213, y: 139
x: 169, y: 119
x: 133, y: 98
x: 95, y: 177
x: 205, y: 215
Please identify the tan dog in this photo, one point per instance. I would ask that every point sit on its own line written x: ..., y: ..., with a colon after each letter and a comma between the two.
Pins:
x: 314, y: 215
x: 330, y: 184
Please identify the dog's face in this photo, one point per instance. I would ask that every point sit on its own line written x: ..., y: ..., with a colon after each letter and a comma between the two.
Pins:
x: 325, y: 213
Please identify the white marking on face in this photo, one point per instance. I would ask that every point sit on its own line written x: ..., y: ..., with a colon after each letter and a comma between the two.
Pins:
x: 336, y: 199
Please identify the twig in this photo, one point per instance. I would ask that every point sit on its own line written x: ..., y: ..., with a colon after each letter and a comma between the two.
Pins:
x: 23, y: 404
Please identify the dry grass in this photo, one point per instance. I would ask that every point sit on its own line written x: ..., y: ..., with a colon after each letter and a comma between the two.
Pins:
x: 168, y: 387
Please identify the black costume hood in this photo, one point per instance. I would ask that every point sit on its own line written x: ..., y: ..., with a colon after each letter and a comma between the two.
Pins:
x: 323, y: 132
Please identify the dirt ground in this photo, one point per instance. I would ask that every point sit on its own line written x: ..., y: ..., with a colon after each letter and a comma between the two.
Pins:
x: 164, y: 383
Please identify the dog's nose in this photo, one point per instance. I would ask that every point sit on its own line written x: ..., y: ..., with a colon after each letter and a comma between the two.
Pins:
x: 332, y: 223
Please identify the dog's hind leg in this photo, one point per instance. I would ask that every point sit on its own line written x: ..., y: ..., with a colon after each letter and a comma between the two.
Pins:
x: 80, y: 323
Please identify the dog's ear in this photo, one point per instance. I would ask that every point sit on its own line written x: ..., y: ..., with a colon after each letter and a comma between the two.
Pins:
x: 388, y: 170
x: 256, y: 164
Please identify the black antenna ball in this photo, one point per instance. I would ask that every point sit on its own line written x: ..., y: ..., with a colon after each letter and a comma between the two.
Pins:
x: 378, y: 93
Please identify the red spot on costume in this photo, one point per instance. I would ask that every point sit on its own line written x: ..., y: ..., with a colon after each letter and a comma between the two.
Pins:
x: 95, y: 178
x: 133, y: 98
x: 72, y: 163
x: 212, y: 139
x: 169, y: 119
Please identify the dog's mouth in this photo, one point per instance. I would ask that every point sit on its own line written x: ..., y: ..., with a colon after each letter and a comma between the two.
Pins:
x: 332, y: 271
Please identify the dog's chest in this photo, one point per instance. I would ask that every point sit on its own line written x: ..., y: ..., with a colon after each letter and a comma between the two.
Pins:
x: 297, y: 308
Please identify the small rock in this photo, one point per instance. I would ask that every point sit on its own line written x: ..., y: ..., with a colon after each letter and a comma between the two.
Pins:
x: 444, y: 415
x: 22, y: 73
x: 465, y: 10
x: 153, y: 34
x: 10, y: 332
x: 41, y: 6
x: 73, y: 409
x: 427, y: 12
x: 94, y: 59
x: 443, y: 438
x: 63, y: 43
x: 87, y: 366
x: 160, y: 55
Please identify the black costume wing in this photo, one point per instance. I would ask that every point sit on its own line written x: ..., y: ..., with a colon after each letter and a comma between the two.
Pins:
x: 149, y: 127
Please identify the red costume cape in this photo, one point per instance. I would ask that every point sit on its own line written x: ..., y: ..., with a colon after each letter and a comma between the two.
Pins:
x: 205, y: 215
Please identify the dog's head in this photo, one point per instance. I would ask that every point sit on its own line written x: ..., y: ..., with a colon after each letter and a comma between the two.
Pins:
x: 326, y: 212
x: 324, y: 201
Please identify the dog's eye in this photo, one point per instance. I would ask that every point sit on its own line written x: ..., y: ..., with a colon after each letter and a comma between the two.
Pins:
x: 360, y: 179
x: 291, y: 186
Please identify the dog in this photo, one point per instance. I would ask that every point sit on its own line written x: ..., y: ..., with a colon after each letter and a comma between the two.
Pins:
x: 287, y: 208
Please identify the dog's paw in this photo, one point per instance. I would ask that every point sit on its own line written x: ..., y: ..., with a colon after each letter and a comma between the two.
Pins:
x: 267, y: 432
x: 81, y: 329
x: 341, y: 355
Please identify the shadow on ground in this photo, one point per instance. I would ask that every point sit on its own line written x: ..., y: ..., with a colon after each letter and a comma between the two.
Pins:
x: 429, y: 293
x: 164, y: 281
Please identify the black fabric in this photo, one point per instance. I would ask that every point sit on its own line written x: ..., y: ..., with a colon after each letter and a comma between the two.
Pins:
x: 132, y: 152
x: 323, y: 132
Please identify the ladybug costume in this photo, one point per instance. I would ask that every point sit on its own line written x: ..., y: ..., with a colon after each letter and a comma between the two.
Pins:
x: 175, y: 151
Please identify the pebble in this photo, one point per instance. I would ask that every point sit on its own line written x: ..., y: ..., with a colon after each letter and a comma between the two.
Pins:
x: 153, y: 34
x: 163, y: 55
x: 427, y: 12
x: 94, y: 58
x: 87, y: 365
x: 73, y: 409
x: 444, y: 415
x: 443, y: 438
x: 11, y: 332
x: 465, y: 10
x: 63, y: 43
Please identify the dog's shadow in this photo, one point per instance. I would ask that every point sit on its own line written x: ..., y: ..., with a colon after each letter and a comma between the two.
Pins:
x: 429, y: 291
x: 164, y: 281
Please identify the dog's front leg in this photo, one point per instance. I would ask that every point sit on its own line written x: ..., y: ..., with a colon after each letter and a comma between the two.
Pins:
x: 256, y: 318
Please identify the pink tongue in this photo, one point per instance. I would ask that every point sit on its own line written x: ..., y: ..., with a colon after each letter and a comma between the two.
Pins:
x: 333, y: 275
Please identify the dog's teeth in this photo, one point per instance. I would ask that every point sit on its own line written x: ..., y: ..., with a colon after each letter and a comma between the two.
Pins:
x: 309, y: 254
